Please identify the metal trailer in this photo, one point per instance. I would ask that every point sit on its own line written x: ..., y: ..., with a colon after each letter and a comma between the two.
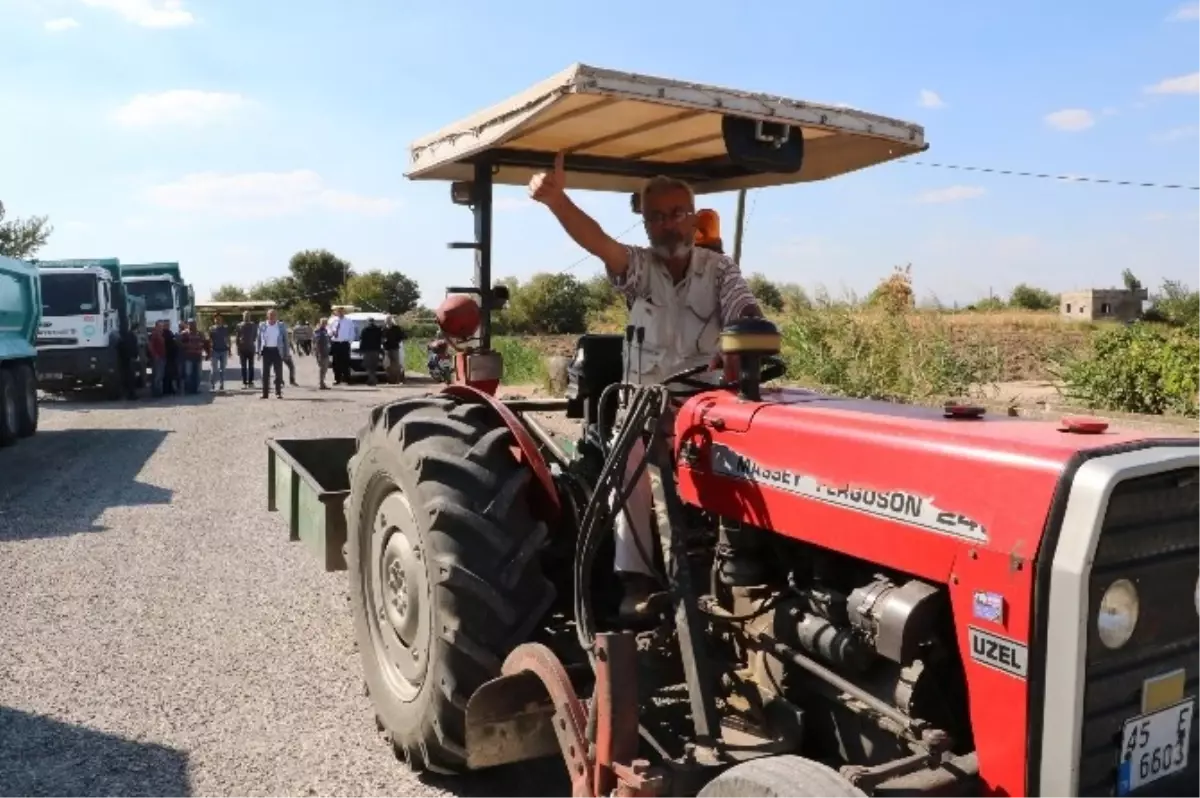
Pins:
x: 20, y: 317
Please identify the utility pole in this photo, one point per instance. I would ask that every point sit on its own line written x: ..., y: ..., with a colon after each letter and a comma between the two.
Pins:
x: 739, y: 227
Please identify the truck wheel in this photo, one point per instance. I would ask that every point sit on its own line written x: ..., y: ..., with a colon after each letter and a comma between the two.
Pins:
x: 780, y: 776
x: 445, y: 578
x: 27, y: 407
x: 9, y: 408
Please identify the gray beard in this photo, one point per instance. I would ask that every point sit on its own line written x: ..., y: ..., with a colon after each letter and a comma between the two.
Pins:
x: 679, y: 251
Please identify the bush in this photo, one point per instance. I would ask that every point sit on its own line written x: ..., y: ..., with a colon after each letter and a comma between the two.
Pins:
x: 1026, y: 297
x: 883, y: 353
x: 549, y: 304
x: 769, y: 297
x: 1175, y: 304
x: 1138, y: 368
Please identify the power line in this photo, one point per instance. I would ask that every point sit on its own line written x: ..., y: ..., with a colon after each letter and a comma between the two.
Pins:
x: 617, y: 237
x: 1044, y: 176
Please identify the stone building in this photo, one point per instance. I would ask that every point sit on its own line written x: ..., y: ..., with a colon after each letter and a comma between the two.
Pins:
x: 1102, y: 304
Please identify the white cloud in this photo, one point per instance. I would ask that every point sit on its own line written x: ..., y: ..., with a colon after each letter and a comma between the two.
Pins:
x: 263, y: 194
x: 930, y: 99
x: 951, y: 194
x: 179, y: 107
x: 1176, y: 133
x: 1071, y: 119
x: 1184, y: 84
x: 1186, y: 12
x: 1109, y: 111
x: 148, y: 13
x: 61, y: 24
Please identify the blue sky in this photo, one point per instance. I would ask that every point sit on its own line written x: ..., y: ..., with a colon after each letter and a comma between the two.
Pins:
x: 227, y: 134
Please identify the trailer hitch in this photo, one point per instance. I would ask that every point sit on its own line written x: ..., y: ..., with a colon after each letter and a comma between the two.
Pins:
x: 532, y: 710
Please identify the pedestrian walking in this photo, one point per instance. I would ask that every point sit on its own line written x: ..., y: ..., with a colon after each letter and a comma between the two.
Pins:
x: 171, y: 378
x: 341, y: 335
x: 370, y: 346
x: 193, y: 344
x: 393, y: 348
x: 247, y: 342
x: 272, y: 348
x: 157, y: 344
x: 218, y: 352
x: 321, y: 352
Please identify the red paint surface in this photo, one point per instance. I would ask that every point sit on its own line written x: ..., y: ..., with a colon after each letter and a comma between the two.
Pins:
x: 999, y: 472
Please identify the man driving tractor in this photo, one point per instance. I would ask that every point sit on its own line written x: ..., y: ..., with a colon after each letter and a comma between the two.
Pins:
x: 682, y: 295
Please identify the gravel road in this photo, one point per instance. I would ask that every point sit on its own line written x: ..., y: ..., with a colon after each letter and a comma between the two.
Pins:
x: 160, y: 635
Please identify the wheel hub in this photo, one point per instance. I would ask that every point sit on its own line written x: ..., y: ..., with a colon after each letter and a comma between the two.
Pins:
x: 399, y: 595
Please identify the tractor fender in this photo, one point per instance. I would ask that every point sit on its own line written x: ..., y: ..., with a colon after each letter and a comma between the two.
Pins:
x: 550, y: 508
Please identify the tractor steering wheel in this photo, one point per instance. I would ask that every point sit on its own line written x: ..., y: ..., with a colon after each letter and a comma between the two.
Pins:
x: 772, y: 368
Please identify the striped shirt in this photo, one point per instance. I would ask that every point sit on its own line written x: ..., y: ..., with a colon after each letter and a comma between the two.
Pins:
x: 733, y: 294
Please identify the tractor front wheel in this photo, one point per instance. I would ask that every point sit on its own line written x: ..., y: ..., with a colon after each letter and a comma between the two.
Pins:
x: 779, y: 776
x: 445, y: 577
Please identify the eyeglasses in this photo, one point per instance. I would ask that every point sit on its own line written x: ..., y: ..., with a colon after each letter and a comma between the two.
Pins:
x: 677, y: 215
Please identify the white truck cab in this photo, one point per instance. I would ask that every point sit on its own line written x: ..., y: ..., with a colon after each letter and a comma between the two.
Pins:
x: 84, y: 310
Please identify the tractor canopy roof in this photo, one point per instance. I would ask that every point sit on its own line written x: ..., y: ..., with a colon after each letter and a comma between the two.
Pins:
x: 619, y: 128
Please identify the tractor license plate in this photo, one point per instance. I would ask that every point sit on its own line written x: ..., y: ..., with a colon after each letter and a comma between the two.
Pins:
x: 1154, y: 746
x: 50, y: 375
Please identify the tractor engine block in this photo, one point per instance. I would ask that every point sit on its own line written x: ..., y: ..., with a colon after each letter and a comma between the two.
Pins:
x: 890, y: 635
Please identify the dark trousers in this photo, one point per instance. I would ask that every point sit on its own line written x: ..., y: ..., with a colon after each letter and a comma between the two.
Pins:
x: 271, y: 359
x: 340, y: 350
x: 247, y: 359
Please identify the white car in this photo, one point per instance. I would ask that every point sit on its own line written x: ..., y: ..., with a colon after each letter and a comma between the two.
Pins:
x: 356, y: 360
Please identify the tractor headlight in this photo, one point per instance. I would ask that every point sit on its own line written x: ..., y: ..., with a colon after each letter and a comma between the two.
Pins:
x: 1118, y: 613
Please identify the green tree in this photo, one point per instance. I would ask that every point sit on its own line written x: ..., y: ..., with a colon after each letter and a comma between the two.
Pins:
x: 229, y: 293
x: 795, y: 298
x: 766, y: 292
x: 1132, y: 283
x: 318, y: 275
x: 548, y: 304
x: 1027, y: 297
x: 1175, y: 303
x: 283, y: 291
x: 22, y: 238
x: 601, y: 294
x: 380, y: 292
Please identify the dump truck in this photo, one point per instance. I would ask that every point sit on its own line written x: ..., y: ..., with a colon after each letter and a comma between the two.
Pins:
x: 854, y: 597
x: 85, y: 311
x: 20, y: 315
x: 168, y: 298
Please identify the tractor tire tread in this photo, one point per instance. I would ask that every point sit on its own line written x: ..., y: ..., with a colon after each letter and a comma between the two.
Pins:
x: 469, y: 493
x: 785, y: 775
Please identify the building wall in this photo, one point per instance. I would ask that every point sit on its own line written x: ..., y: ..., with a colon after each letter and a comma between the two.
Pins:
x: 1099, y: 304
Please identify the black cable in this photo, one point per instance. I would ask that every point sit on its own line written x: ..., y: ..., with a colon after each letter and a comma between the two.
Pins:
x: 1046, y: 176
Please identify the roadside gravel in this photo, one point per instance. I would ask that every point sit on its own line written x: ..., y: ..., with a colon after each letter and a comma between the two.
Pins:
x: 159, y: 635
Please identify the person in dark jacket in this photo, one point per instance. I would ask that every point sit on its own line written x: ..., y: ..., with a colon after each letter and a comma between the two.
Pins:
x: 370, y: 346
x: 247, y: 342
x: 393, y: 347
x: 218, y: 352
x: 171, y: 379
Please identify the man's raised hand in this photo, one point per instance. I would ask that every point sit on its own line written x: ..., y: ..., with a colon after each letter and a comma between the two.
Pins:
x: 545, y: 186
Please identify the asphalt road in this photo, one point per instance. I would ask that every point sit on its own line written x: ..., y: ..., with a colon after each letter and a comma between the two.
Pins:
x: 159, y: 635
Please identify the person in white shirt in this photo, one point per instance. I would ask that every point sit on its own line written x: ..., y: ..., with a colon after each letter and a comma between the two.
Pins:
x: 341, y: 335
x: 681, y: 295
x: 273, y: 349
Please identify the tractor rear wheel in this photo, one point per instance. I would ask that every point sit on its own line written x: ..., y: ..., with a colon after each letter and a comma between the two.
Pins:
x: 443, y: 558
x: 774, y: 776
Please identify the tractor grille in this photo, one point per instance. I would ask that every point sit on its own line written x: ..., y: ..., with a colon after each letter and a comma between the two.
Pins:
x: 1149, y: 537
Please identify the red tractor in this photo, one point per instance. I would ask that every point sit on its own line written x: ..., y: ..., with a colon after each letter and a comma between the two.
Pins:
x: 856, y: 597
